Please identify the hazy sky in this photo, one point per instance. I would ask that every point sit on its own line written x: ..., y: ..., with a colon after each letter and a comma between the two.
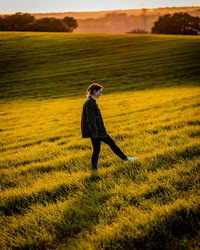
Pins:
x: 86, y: 5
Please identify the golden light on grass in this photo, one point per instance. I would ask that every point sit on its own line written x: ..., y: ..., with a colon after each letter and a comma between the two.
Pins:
x: 46, y: 175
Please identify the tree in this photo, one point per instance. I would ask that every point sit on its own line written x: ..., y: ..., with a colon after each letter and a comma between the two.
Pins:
x: 2, y: 24
x: 71, y: 23
x: 17, y: 22
x: 178, y: 23
x: 47, y: 25
x: 25, y: 22
x: 138, y: 31
x: 113, y: 16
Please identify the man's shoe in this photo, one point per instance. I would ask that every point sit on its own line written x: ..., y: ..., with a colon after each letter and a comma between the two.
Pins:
x: 129, y: 159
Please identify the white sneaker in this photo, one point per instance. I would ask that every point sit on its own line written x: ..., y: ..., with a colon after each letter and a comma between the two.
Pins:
x: 131, y: 159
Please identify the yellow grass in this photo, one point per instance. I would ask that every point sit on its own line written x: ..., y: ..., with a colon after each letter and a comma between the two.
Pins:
x: 49, y: 197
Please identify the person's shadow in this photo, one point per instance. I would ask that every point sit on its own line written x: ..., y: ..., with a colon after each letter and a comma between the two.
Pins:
x: 85, y: 212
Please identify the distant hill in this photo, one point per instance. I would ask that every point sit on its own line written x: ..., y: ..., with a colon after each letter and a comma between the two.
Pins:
x: 118, y: 21
x: 99, y: 14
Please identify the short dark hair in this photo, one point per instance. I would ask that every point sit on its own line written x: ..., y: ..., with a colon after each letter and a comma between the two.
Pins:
x: 92, y: 87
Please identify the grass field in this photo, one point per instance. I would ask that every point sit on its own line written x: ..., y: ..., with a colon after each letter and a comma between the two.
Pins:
x: 49, y: 197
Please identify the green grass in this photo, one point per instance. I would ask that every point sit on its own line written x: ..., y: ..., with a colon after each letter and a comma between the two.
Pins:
x: 49, y: 197
x: 59, y: 65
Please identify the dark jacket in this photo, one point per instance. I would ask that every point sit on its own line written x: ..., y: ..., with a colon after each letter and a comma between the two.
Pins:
x: 91, y: 121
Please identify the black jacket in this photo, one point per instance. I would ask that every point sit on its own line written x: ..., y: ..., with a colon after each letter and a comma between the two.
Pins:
x: 91, y: 121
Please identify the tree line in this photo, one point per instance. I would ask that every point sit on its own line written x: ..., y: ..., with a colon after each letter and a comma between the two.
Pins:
x: 178, y: 23
x: 115, y: 22
x: 26, y: 22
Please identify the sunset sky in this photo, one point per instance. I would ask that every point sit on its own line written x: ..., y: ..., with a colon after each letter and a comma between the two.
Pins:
x: 87, y: 5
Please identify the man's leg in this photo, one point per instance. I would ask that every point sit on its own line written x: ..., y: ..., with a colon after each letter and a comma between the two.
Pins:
x: 108, y: 140
x: 96, y: 143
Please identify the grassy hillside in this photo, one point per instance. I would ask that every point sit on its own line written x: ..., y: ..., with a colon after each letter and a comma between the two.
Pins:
x: 37, y: 65
x: 49, y: 197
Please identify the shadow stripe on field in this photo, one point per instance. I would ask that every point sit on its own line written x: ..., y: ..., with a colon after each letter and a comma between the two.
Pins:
x: 17, y: 203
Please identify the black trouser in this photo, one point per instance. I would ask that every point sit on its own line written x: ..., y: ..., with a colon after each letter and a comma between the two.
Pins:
x: 96, y: 142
